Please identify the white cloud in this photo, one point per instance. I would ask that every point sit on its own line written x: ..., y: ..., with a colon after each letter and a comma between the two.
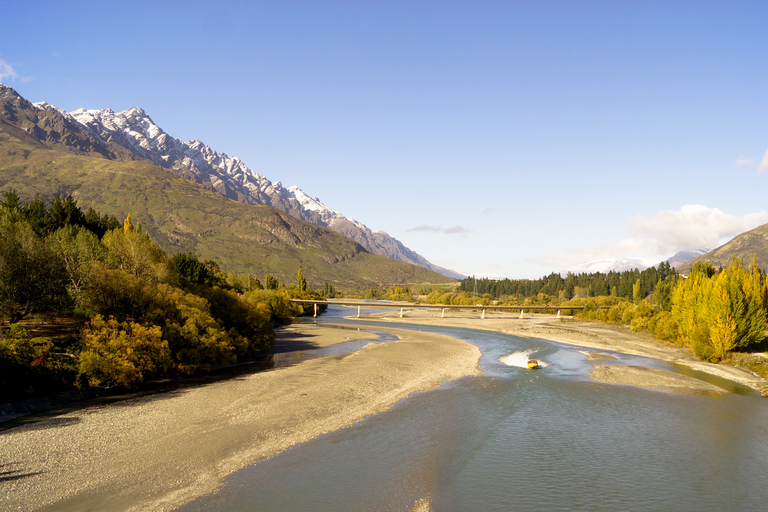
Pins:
x: 6, y: 71
x: 652, y: 239
x: 695, y: 226
x: 745, y: 163
x: 764, y: 163
x: 608, y: 251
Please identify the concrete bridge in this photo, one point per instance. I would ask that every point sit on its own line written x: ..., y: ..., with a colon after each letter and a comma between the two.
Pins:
x: 411, y: 305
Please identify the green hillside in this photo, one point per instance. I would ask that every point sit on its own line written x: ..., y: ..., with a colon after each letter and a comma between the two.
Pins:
x: 184, y: 217
x: 742, y: 246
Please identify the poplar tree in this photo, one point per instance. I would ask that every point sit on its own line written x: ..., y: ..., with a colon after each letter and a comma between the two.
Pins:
x: 302, y: 281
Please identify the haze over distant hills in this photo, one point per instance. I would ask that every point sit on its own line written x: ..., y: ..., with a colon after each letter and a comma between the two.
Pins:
x: 621, y: 265
x: 45, y: 152
x: 605, y: 266
x: 135, y: 131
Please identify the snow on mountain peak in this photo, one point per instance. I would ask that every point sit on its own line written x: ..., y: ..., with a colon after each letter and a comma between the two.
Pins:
x: 134, y: 130
x: 604, y: 266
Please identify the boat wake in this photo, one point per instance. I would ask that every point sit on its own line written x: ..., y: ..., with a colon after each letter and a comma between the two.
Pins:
x: 520, y: 359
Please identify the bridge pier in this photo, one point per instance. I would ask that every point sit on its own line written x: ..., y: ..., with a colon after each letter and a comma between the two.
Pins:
x: 358, y: 311
x: 521, y: 313
x: 315, y: 304
x: 442, y: 315
x: 558, y: 314
x: 401, y: 312
x: 482, y: 315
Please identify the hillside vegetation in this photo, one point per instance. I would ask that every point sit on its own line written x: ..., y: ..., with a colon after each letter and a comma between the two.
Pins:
x: 119, y: 311
x: 182, y: 217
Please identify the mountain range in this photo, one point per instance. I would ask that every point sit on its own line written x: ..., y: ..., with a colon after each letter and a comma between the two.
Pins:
x: 44, y: 151
x: 134, y: 130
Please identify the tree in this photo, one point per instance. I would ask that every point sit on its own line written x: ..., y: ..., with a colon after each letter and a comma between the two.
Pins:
x: 270, y: 282
x: 136, y: 254
x: 11, y: 201
x: 127, y: 224
x: 716, y: 312
x: 302, y: 281
x: 190, y: 270
x: 32, y: 277
x: 79, y: 249
x: 121, y: 353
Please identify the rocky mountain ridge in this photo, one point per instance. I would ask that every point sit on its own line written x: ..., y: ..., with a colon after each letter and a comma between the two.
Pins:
x: 134, y: 130
x: 43, y: 153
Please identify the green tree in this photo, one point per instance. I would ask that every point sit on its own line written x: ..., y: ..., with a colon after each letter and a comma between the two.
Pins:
x: 302, y: 281
x: 190, y: 270
x: 11, y: 201
x: 270, y: 282
x: 32, y: 277
x: 79, y: 249
x: 136, y: 254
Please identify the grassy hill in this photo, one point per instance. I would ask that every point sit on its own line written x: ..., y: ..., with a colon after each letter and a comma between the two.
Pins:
x: 182, y: 216
x: 742, y: 246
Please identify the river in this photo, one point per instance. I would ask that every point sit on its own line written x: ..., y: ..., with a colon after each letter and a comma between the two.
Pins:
x: 515, y: 439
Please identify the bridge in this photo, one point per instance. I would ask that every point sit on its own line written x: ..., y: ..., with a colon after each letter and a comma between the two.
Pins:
x: 411, y: 305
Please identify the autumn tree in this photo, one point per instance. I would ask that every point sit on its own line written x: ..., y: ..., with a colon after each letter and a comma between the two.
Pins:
x: 716, y: 312
x: 121, y: 353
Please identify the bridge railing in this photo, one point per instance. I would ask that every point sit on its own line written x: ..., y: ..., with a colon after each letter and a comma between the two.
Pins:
x: 402, y: 305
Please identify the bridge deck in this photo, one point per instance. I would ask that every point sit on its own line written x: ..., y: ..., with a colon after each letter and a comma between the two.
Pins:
x: 377, y: 304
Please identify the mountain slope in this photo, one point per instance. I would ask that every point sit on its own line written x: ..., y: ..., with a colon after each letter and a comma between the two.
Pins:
x: 135, y: 131
x: 184, y: 217
x: 742, y: 246
x: 682, y: 257
x: 22, y: 120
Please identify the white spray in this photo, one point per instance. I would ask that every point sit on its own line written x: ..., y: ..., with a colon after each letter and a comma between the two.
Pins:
x: 520, y: 359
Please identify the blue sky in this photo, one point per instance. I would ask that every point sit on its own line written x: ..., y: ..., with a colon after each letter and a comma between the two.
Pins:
x: 500, y: 139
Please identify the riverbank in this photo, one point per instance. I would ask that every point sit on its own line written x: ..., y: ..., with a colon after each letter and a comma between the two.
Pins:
x: 160, y: 451
x: 591, y: 335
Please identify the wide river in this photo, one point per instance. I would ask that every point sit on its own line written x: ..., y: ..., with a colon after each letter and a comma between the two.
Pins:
x: 515, y: 439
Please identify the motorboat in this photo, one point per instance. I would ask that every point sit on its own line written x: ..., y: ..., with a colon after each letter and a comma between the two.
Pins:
x: 532, y: 363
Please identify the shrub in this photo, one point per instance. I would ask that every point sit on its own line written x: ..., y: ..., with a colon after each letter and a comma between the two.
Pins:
x: 121, y: 353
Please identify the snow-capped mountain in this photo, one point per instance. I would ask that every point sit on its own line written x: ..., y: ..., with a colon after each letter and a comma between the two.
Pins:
x: 134, y: 130
x: 605, y: 266
x: 685, y: 256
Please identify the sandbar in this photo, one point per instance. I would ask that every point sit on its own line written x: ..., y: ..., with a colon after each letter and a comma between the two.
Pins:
x: 583, y: 334
x: 157, y: 452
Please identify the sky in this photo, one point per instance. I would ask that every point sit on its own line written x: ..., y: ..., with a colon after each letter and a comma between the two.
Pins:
x: 497, y: 139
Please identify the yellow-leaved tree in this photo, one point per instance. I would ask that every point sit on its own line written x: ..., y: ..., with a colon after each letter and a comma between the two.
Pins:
x: 122, y: 353
x: 717, y: 312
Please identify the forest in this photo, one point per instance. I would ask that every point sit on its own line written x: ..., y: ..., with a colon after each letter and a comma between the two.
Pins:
x: 88, y: 302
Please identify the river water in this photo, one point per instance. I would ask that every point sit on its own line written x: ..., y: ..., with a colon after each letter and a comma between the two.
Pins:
x: 515, y: 439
